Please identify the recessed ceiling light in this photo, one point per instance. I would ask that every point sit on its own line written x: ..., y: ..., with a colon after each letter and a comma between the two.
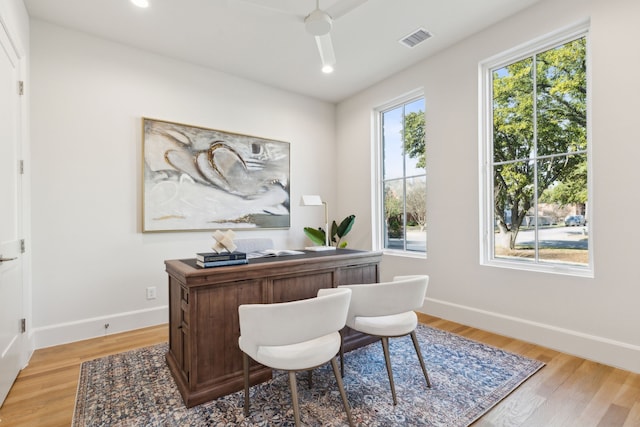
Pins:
x: 141, y: 3
x: 327, y: 69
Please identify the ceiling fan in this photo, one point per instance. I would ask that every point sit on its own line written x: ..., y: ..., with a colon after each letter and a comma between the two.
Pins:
x: 318, y: 23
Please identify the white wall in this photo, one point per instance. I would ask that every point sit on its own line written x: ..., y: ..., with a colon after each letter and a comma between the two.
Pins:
x: 595, y: 318
x: 91, y: 263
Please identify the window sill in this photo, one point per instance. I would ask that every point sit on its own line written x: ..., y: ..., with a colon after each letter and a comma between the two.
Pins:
x: 566, y: 270
x: 405, y: 254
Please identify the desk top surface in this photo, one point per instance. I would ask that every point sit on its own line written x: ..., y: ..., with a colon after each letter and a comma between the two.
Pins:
x: 185, y: 268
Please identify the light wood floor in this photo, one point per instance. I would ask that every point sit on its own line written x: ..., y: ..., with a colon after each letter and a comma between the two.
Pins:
x: 568, y: 391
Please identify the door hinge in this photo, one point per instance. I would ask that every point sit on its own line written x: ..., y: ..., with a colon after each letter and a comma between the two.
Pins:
x: 20, y: 87
x: 23, y: 325
x: 21, y: 167
x: 22, y: 246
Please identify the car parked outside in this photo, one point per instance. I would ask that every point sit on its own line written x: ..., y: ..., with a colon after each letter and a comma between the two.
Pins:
x: 575, y: 220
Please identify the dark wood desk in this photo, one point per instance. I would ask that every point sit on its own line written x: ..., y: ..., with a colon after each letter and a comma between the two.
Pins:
x: 204, y: 357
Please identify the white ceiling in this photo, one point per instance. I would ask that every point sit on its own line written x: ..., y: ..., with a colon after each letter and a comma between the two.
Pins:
x: 271, y: 47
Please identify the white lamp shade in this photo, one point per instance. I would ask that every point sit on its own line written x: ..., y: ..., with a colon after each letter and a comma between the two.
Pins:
x: 311, y: 200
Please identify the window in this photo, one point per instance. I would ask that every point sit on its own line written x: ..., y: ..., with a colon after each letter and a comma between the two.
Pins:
x: 404, y: 182
x: 536, y: 164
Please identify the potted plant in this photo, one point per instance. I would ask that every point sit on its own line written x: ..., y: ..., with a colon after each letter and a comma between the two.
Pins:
x: 317, y: 235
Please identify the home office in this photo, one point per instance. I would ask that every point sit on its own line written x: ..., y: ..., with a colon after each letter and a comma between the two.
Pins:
x: 87, y: 93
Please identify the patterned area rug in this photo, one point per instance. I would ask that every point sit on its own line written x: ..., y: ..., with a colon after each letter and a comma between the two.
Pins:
x: 468, y: 378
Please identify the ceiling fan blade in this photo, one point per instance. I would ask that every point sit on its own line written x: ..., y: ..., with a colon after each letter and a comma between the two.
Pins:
x: 325, y: 47
x: 343, y: 7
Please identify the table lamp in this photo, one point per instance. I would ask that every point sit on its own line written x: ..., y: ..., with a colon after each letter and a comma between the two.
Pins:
x: 315, y: 200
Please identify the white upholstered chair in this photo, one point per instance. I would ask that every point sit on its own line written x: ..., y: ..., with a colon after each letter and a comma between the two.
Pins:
x: 387, y: 310
x: 295, y: 336
x: 253, y: 245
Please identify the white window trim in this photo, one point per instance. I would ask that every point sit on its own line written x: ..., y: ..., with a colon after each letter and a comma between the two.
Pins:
x: 376, y: 208
x: 485, y: 133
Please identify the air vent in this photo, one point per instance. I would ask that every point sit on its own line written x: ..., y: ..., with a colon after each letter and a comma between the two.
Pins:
x: 416, y: 37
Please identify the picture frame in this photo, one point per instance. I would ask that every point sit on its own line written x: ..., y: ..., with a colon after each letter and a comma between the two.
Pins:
x: 197, y: 179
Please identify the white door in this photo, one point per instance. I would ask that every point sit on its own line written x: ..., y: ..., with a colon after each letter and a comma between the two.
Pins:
x: 12, y: 341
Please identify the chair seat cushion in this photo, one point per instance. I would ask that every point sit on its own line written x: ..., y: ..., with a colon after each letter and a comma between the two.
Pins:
x: 387, y: 326
x: 304, y: 355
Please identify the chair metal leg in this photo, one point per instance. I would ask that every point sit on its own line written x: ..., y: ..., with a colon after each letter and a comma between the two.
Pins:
x: 338, y: 376
x: 419, y: 353
x: 387, y: 359
x: 245, y: 365
x: 294, y: 397
x: 341, y: 355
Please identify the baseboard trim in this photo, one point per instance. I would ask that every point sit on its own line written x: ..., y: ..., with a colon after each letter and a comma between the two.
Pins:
x: 63, y: 333
x: 603, y: 350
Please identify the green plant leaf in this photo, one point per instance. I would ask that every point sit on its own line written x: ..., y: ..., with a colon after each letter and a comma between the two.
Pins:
x: 316, y: 235
x: 345, y: 226
x: 334, y: 231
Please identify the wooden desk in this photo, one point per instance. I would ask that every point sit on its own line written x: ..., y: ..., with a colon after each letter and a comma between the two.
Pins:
x: 204, y: 357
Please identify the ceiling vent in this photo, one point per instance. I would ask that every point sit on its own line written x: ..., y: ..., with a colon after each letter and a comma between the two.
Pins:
x: 416, y: 37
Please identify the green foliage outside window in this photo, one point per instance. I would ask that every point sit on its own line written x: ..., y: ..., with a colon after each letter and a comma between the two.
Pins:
x: 539, y: 134
x: 404, y: 178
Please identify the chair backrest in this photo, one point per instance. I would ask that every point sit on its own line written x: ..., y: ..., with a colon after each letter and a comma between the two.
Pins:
x: 253, y: 245
x: 293, y: 322
x: 404, y: 293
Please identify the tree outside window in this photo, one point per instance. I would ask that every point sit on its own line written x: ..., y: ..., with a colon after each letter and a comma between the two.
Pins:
x: 404, y: 182
x: 539, y: 163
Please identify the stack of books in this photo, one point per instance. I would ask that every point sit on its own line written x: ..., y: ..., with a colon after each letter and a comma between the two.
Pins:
x: 214, y: 259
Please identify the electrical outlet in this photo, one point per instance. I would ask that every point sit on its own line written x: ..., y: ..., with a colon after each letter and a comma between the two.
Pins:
x: 151, y: 292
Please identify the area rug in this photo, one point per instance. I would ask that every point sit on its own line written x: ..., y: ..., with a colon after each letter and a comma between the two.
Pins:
x: 468, y: 378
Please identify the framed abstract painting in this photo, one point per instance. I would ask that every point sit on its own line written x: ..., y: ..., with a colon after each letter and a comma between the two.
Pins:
x: 196, y: 178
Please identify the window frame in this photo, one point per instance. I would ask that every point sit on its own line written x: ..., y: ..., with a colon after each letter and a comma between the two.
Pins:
x: 378, y: 208
x: 485, y: 146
